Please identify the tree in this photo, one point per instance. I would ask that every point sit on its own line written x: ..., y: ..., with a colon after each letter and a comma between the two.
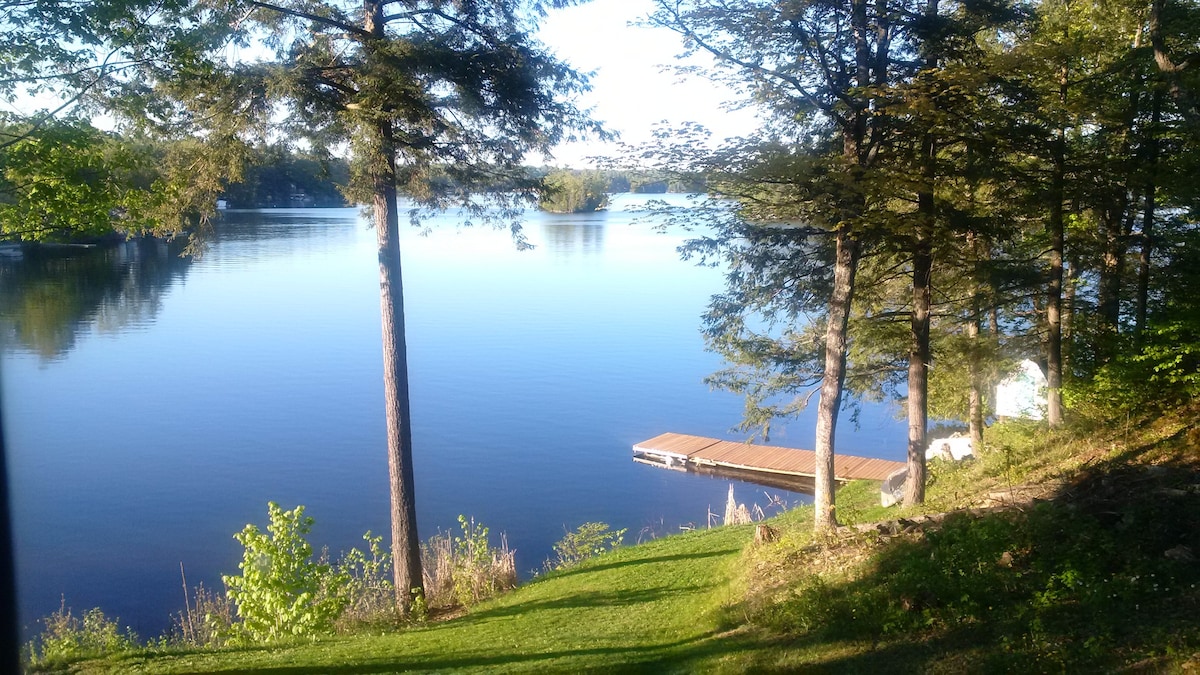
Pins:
x: 573, y: 192
x: 419, y: 89
x: 823, y: 70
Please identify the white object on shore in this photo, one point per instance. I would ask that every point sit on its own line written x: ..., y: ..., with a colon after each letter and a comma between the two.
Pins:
x: 954, y: 447
x: 1022, y: 394
x: 891, y: 491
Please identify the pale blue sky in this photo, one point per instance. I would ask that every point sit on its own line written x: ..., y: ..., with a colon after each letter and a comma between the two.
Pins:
x: 630, y: 93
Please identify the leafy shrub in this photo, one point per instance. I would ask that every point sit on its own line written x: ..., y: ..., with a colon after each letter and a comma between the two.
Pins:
x: 282, y: 591
x: 70, y: 638
x: 1164, y: 372
x: 590, y: 539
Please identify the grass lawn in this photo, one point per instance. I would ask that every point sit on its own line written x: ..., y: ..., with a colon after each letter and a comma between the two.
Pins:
x: 654, y: 607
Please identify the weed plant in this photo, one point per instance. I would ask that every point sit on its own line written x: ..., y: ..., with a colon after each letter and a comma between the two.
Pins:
x: 66, y: 637
x: 464, y: 570
x: 586, y: 541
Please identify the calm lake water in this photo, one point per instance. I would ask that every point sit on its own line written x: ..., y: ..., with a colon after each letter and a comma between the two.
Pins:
x: 154, y: 404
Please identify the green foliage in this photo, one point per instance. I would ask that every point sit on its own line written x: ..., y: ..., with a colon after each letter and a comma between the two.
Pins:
x: 68, y: 180
x: 573, y: 192
x: 70, y: 638
x: 587, y: 541
x: 1164, y: 373
x: 1062, y: 583
x: 282, y: 591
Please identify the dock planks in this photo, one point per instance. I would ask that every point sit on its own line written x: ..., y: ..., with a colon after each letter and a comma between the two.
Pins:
x: 682, y: 449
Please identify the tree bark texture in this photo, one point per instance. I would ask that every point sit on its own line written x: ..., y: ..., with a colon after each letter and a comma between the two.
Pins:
x: 919, y: 352
x: 406, y: 545
x: 1054, y: 285
x: 845, y: 268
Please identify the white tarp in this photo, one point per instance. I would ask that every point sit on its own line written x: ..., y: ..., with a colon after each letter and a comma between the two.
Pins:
x: 1022, y: 394
x: 953, y: 447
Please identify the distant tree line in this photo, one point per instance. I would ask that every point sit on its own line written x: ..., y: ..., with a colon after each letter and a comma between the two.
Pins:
x: 278, y: 176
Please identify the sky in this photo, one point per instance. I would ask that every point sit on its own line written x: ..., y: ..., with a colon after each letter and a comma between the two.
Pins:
x: 630, y: 91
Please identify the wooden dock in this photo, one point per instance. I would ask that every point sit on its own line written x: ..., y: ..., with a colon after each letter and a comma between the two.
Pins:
x: 681, y: 451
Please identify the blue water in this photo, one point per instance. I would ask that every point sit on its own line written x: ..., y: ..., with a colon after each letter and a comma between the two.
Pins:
x: 154, y: 404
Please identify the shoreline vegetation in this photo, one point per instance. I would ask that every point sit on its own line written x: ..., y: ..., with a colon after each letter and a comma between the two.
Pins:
x: 1073, y: 549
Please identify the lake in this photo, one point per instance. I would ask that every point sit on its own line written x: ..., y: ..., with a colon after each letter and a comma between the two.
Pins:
x: 154, y: 404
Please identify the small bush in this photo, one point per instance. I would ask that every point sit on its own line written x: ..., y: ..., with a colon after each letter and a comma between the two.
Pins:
x: 282, y: 591
x: 70, y: 638
x: 589, y: 540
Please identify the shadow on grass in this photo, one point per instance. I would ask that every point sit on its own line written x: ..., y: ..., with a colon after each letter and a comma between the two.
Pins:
x: 596, y: 659
x: 576, y: 601
x: 600, y: 567
x: 1101, y: 575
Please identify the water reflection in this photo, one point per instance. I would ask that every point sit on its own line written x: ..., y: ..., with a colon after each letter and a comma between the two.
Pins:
x: 51, y: 298
x: 575, y: 235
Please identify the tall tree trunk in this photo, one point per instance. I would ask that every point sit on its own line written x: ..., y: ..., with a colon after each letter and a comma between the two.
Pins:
x: 1147, y: 236
x: 918, y: 374
x: 845, y: 267
x: 1115, y: 224
x: 974, y: 349
x: 844, y: 270
x: 406, y: 545
x: 918, y: 356
x: 922, y: 294
x: 1054, y: 286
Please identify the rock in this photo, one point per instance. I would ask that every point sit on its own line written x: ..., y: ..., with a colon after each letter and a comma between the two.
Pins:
x: 1180, y: 553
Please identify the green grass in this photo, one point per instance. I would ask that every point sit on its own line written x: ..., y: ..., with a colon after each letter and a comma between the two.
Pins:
x: 648, y: 607
x: 1094, y: 576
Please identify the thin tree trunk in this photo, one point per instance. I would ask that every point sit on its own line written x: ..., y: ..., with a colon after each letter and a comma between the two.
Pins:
x: 1054, y: 286
x: 918, y: 374
x: 974, y: 348
x: 922, y: 295
x: 918, y: 356
x: 975, y: 403
x: 845, y: 268
x: 1147, y: 236
x: 406, y: 546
